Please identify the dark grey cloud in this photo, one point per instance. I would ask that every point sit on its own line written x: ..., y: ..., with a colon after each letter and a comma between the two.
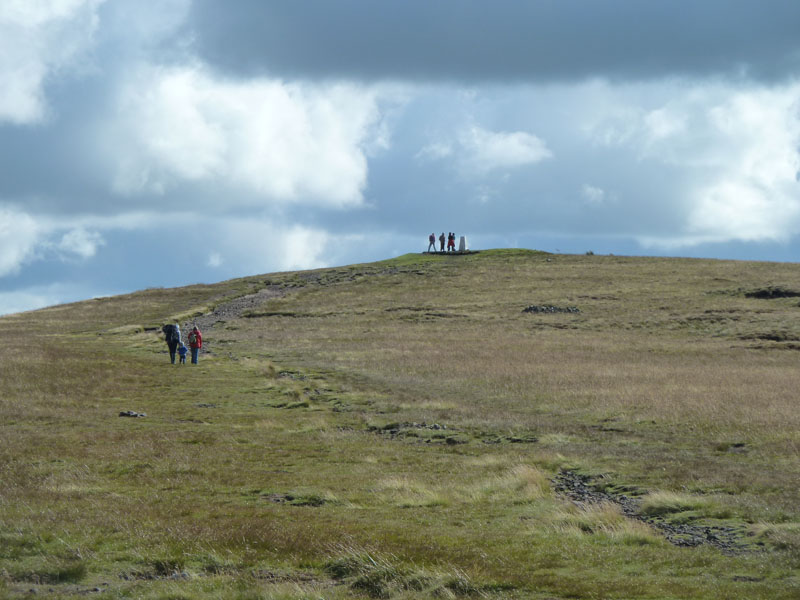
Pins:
x: 501, y: 40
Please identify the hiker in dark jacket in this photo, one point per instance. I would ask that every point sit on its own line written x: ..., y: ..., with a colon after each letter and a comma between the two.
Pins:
x: 172, y: 334
x: 441, y: 242
x: 431, y: 243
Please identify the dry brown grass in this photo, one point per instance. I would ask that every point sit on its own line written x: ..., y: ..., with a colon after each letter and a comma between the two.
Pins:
x: 647, y: 348
x: 308, y: 430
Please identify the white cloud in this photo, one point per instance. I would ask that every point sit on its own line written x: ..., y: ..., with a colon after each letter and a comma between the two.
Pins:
x: 485, y: 194
x: 304, y: 248
x: 738, y: 209
x: 751, y: 192
x: 286, y: 142
x: 25, y: 238
x: 435, y: 151
x: 479, y: 151
x: 258, y: 247
x: 734, y: 148
x: 214, y: 260
x: 664, y: 123
x: 80, y: 243
x: 592, y: 194
x: 20, y: 235
x: 489, y: 150
x: 38, y: 38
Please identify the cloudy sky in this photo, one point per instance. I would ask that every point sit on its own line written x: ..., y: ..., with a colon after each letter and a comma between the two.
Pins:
x: 167, y: 142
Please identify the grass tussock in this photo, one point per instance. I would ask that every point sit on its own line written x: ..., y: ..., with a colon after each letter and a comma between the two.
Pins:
x: 518, y: 485
x: 605, y: 521
x: 50, y: 572
x: 407, y: 493
x: 385, y: 576
x: 265, y: 368
x: 659, y: 504
x: 783, y: 536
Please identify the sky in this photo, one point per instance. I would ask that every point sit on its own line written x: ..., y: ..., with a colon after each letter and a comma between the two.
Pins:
x: 171, y: 142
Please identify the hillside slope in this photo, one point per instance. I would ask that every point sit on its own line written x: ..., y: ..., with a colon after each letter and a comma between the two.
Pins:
x: 407, y: 429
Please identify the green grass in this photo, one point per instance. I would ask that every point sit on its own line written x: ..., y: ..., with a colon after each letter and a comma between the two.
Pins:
x: 390, y: 430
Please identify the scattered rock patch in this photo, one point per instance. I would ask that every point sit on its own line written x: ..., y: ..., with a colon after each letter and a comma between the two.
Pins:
x: 548, y: 308
x: 394, y: 428
x: 772, y: 291
x: 509, y: 439
x: 583, y: 490
x: 230, y: 310
x: 421, y: 433
x: 295, y: 500
x: 291, y: 375
x: 295, y: 577
x: 771, y: 336
x: 131, y: 413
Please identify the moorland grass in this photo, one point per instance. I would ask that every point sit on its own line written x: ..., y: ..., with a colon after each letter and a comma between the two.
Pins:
x: 390, y: 430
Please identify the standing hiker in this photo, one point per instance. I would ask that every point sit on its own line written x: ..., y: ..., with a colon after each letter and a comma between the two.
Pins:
x: 195, y: 343
x: 172, y: 334
x: 451, y: 242
x: 431, y: 242
x: 441, y: 242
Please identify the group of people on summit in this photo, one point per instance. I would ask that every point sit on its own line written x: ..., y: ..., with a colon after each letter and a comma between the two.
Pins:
x: 451, y: 242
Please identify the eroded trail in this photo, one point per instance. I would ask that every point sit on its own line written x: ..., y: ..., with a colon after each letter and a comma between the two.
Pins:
x: 583, y: 491
x: 232, y: 309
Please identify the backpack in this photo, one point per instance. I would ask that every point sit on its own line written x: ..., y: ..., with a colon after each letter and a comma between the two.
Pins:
x: 171, y: 333
x: 192, y: 337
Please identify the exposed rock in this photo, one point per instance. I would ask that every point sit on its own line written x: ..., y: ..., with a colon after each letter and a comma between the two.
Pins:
x: 131, y: 413
x: 582, y: 490
x: 772, y: 291
x: 230, y: 310
x: 547, y: 308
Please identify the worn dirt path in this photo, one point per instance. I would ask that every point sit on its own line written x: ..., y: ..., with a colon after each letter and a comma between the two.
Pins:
x: 232, y: 309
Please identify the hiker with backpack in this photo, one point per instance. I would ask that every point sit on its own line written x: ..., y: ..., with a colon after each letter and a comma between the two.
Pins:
x: 172, y: 334
x: 195, y: 343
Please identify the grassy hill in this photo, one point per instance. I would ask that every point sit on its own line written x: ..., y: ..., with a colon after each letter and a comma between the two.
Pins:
x: 403, y: 429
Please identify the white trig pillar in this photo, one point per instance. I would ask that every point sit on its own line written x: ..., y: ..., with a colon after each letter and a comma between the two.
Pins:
x: 462, y: 244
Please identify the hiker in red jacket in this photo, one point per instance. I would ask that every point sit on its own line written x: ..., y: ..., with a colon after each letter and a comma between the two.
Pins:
x: 195, y: 343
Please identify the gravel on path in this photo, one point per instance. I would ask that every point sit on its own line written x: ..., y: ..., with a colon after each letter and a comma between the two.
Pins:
x: 232, y: 309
